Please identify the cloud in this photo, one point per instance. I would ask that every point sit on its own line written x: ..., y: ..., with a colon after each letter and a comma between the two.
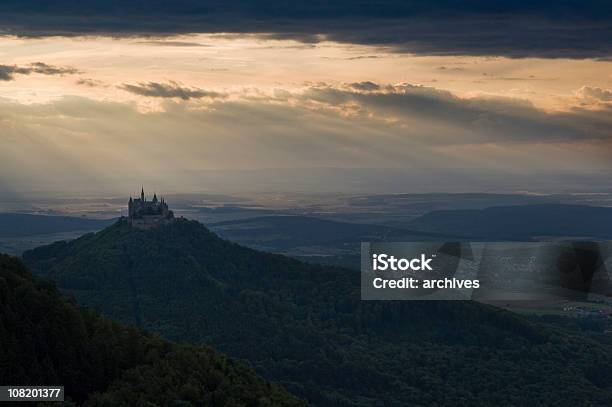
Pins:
x: 453, y: 69
x: 418, y: 129
x: 92, y: 83
x: 365, y: 86
x: 436, y: 116
x: 8, y: 72
x: 162, y: 43
x: 594, y: 94
x: 547, y: 28
x: 362, y: 57
x: 168, y: 90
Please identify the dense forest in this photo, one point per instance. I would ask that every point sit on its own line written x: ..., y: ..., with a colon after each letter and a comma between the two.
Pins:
x: 304, y: 325
x: 48, y: 340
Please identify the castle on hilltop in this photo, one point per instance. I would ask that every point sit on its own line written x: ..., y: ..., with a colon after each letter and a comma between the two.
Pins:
x: 146, y: 214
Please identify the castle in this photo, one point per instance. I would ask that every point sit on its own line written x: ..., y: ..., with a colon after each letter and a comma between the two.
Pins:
x: 145, y: 214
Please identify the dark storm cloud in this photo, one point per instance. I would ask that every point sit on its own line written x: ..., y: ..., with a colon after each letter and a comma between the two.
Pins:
x: 168, y: 90
x: 520, y: 28
x: 8, y: 72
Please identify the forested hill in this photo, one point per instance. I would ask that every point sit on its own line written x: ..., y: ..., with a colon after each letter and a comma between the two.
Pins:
x: 306, y: 327
x: 47, y: 340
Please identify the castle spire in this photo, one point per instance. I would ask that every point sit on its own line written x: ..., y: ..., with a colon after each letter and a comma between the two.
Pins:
x: 142, y: 194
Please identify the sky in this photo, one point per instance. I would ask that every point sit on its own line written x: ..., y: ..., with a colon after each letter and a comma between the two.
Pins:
x: 101, y: 96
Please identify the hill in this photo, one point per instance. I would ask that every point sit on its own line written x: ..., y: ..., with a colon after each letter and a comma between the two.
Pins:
x: 48, y: 340
x: 305, y: 326
x: 314, y: 239
x: 286, y: 232
x: 520, y: 222
x: 20, y: 224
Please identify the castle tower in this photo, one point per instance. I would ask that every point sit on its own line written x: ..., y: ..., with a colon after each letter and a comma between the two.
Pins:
x: 144, y: 215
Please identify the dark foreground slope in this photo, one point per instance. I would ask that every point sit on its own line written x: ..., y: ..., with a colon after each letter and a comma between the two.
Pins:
x: 306, y: 327
x: 47, y: 340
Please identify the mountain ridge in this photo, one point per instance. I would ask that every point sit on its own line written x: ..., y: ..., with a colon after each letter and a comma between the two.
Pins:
x: 304, y: 325
x: 520, y: 221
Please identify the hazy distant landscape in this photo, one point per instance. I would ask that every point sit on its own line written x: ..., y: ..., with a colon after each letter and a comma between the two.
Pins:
x: 328, y: 228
